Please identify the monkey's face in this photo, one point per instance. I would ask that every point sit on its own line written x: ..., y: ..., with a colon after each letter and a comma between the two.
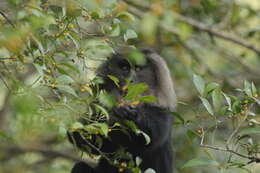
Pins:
x: 124, y: 71
x: 117, y: 67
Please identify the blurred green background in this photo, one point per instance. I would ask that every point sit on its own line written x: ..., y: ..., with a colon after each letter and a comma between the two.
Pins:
x: 49, y: 50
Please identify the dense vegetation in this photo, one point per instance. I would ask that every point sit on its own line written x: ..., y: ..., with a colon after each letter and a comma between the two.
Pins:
x: 50, y: 49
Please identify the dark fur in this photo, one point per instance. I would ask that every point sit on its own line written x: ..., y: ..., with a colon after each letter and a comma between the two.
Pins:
x: 152, y: 119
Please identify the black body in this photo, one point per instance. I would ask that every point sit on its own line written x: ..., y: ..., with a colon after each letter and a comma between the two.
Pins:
x: 153, y: 119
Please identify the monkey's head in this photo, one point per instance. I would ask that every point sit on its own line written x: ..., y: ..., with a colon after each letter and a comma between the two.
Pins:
x: 151, y: 70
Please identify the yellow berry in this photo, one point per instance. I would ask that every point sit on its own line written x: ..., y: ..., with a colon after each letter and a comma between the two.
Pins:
x: 61, y: 24
x: 246, y: 101
x: 199, y: 131
x: 51, y: 120
x: 53, y: 85
x: 81, y: 52
x: 120, y: 169
x: 82, y: 89
x: 71, y: 26
x: 10, y: 62
x: 123, y: 164
x: 135, y: 102
x: 65, y: 33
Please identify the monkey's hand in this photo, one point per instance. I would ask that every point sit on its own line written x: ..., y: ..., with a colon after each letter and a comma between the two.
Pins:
x: 126, y: 112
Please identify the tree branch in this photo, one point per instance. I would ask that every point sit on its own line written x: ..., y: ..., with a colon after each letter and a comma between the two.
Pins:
x: 198, y: 25
x: 220, y: 34
x: 7, y: 19
x: 16, y: 150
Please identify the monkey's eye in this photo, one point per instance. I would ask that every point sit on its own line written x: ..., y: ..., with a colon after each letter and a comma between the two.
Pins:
x: 123, y: 65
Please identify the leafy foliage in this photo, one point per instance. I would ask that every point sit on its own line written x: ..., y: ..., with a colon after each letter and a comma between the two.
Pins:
x: 49, y: 51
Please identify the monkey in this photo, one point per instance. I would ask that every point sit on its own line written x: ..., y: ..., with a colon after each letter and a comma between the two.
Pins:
x: 152, y: 118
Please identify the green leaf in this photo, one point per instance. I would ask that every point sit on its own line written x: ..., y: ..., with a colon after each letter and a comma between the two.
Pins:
x: 200, y: 162
x: 148, y: 28
x: 62, y: 71
x: 146, y: 137
x: 74, y: 13
x: 228, y: 101
x: 178, y: 116
x: 103, y: 110
x: 76, y: 126
x: 138, y: 161
x: 97, y: 127
x: 4, y: 136
x: 95, y: 15
x: 254, y: 90
x: 54, y: 28
x: 56, y: 9
x: 106, y: 99
x: 247, y: 88
x: 70, y: 66
x: 115, y: 31
x: 67, y: 89
x: 148, y: 99
x: 207, y: 105
x: 211, y: 86
x: 191, y: 135
x: 236, y: 106
x: 64, y: 79
x: 135, y: 90
x: 39, y: 68
x: 149, y: 170
x: 126, y: 16
x: 199, y: 83
x: 250, y: 130
x: 130, y: 34
x: 131, y: 125
x: 114, y: 79
x: 185, y: 30
x: 217, y: 98
x: 208, y: 154
x: 137, y: 58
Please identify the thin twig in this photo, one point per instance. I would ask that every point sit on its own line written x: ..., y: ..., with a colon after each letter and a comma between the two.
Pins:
x: 220, y: 34
x: 225, y: 150
x: 198, y: 25
x: 45, y: 152
x: 235, y: 131
x: 5, y: 83
x: 252, y: 159
x: 7, y: 19
x: 5, y: 108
